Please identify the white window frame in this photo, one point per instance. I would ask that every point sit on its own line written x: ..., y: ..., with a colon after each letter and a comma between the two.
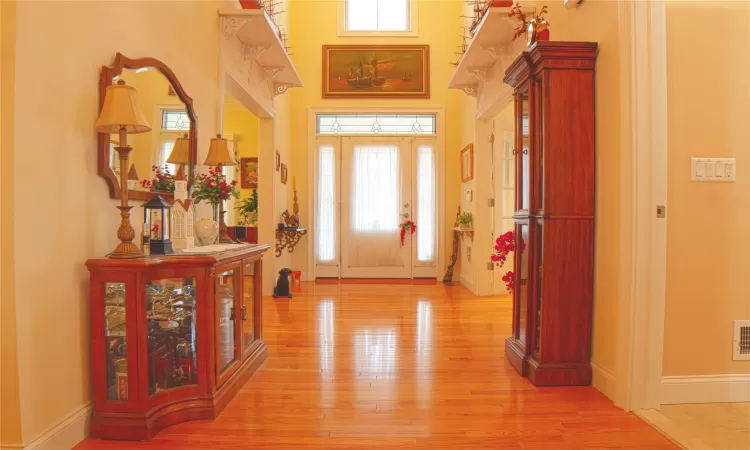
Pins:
x: 411, y: 32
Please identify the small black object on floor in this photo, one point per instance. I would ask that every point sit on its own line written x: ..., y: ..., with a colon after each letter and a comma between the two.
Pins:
x: 282, y: 285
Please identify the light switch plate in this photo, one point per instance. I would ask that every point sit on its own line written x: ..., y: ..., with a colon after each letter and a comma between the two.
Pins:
x: 713, y: 169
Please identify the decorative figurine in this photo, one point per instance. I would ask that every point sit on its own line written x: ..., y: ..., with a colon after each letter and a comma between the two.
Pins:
x: 182, y: 214
x: 290, y: 221
x: 282, y: 285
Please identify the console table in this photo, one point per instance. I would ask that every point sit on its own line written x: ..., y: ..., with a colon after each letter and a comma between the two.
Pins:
x: 173, y: 337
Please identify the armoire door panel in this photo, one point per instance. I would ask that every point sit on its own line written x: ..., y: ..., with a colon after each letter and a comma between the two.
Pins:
x: 569, y: 159
x: 567, y: 290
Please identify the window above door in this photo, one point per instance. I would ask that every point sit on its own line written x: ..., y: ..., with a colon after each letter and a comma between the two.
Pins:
x: 396, y: 18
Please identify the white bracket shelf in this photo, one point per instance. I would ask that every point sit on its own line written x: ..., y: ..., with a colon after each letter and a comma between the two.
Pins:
x: 490, y: 51
x: 254, y: 54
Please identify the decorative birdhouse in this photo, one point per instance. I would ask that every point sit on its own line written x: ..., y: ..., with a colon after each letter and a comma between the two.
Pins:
x: 182, y: 214
x: 133, y: 180
x: 156, y: 219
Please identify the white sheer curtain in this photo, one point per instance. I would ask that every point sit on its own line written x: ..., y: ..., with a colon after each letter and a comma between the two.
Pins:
x: 325, y: 239
x: 425, y: 204
x: 375, y: 206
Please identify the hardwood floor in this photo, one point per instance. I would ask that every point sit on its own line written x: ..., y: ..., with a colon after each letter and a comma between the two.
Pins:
x: 709, y: 425
x: 399, y: 366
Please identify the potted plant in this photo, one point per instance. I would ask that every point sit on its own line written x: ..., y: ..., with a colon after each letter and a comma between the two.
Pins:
x: 163, y: 181
x: 464, y: 220
x: 248, y: 210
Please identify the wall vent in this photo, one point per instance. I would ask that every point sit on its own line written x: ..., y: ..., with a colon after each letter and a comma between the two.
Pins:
x: 741, y: 340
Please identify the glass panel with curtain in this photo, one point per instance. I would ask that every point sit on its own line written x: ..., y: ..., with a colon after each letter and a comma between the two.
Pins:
x: 325, y: 239
x: 426, y: 204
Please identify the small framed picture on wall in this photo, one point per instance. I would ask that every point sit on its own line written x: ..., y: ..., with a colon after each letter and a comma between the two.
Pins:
x: 467, y: 163
x: 249, y: 174
x: 278, y: 161
x: 284, y: 173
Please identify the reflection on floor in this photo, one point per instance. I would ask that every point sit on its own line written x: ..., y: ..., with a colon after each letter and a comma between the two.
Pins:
x: 723, y: 426
x: 399, y: 366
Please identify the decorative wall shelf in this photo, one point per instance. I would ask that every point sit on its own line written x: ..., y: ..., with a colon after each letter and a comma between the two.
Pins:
x: 482, y: 67
x: 465, y: 232
x: 254, y: 56
x: 288, y: 238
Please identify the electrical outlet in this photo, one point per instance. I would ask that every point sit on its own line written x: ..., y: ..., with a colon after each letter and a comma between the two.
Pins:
x: 713, y: 169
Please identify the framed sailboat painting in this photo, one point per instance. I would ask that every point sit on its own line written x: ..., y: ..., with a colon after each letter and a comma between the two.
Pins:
x: 376, y: 71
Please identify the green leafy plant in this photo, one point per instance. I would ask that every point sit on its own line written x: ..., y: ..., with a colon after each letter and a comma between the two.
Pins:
x: 464, y: 220
x: 247, y: 207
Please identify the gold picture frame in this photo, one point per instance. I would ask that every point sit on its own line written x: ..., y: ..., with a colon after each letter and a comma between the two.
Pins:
x: 467, y: 163
x: 376, y: 71
x: 284, y: 173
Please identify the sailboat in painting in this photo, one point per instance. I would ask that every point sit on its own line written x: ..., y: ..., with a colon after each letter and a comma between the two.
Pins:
x: 365, y: 75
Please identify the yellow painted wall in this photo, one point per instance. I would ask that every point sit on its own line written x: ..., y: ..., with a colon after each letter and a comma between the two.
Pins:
x: 10, y: 408
x: 242, y: 125
x: 153, y: 92
x: 708, y: 224
x: 597, y: 20
x: 54, y: 135
x: 313, y: 24
x: 466, y: 268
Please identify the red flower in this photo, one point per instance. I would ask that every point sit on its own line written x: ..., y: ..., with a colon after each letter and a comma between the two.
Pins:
x: 509, y: 280
x: 234, y: 182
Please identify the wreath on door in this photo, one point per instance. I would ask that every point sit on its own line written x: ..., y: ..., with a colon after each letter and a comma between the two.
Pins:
x: 410, y: 226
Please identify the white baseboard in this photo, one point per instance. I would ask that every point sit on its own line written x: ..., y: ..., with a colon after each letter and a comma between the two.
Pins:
x: 65, y: 435
x: 468, y: 284
x: 603, y: 381
x: 705, y: 389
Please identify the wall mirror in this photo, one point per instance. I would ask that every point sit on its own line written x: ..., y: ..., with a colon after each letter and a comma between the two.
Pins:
x: 169, y: 112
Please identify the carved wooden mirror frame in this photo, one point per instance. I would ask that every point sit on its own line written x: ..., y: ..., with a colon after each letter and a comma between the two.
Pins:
x: 105, y: 79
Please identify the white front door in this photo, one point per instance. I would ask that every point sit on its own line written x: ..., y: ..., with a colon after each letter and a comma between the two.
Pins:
x: 375, y: 201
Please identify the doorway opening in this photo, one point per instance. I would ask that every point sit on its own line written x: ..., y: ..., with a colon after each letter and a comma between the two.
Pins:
x: 375, y: 181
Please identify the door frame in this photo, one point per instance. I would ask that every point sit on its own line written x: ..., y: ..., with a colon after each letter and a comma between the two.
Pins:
x: 439, y: 113
x: 643, y: 90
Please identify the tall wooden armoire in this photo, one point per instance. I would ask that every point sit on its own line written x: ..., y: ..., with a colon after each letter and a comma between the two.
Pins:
x: 553, y: 86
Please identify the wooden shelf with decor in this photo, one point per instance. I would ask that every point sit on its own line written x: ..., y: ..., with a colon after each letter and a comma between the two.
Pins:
x: 173, y: 338
x: 553, y: 84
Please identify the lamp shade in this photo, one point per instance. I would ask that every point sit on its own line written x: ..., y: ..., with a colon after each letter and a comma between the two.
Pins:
x: 181, y: 151
x: 218, y: 153
x: 121, y: 110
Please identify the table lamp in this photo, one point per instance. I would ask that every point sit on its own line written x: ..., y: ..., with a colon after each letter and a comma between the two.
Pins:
x: 180, y: 151
x: 219, y: 155
x: 121, y: 114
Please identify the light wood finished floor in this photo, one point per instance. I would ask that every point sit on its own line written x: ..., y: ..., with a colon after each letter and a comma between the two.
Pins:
x: 723, y: 426
x: 359, y: 366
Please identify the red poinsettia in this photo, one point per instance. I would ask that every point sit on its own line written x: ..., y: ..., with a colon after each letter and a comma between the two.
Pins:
x: 408, y: 225
x: 504, y: 244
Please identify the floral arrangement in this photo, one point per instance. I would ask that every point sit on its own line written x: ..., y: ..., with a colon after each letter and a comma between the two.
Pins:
x: 504, y: 244
x: 408, y: 225
x: 213, y: 187
x: 540, y: 23
x: 163, y: 180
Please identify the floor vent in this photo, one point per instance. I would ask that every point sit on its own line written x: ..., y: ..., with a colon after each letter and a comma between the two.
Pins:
x: 742, y: 340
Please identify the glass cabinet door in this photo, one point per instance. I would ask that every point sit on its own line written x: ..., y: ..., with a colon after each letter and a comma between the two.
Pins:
x: 520, y: 284
x: 523, y: 161
x: 171, y: 334
x: 116, y: 341
x: 227, y: 344
x: 248, y: 306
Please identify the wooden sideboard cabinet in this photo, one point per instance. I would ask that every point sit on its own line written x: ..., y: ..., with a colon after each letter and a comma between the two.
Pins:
x: 553, y: 86
x: 173, y: 338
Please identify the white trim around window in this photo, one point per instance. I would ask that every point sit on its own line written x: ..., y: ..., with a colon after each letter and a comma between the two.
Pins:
x: 413, y: 22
